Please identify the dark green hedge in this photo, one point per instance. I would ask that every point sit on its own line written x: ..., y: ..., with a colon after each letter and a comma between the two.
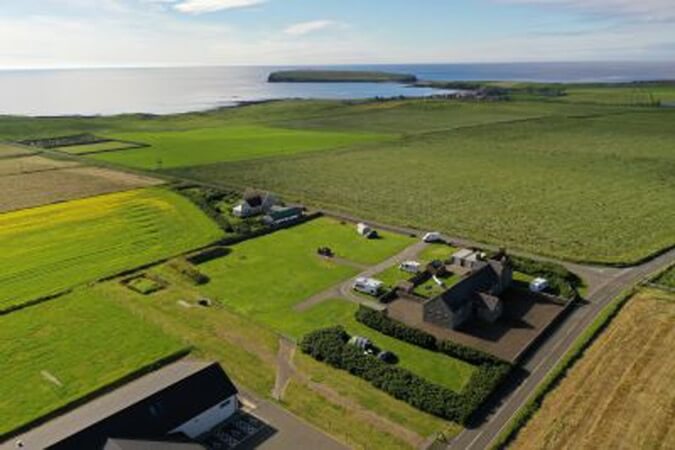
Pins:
x: 384, y: 325
x: 330, y: 345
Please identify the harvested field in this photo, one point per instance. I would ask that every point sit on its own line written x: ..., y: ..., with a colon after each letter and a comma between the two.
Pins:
x: 52, y: 248
x: 27, y: 190
x: 30, y: 164
x: 621, y: 394
x: 9, y: 150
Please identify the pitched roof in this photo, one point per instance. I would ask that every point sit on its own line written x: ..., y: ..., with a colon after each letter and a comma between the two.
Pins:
x: 133, y: 444
x: 487, y: 301
x: 146, y: 408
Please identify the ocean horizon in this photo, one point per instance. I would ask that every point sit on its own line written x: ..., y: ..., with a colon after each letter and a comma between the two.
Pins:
x: 168, y: 90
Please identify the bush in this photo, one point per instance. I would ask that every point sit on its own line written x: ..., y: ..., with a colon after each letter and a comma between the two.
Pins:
x: 384, y: 325
x: 331, y: 346
x: 490, y: 372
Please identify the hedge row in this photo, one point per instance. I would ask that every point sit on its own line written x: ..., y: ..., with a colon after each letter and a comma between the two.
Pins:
x: 330, y: 345
x: 490, y: 372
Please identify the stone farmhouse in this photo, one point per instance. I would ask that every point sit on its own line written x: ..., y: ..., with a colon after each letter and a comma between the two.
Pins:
x: 475, y: 295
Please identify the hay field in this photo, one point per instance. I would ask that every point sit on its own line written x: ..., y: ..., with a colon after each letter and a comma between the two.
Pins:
x: 9, y: 150
x: 29, y: 164
x: 621, y: 394
x: 37, y: 188
x: 46, y: 250
x: 59, y: 351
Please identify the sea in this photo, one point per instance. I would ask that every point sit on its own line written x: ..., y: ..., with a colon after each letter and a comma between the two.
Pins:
x: 176, y: 90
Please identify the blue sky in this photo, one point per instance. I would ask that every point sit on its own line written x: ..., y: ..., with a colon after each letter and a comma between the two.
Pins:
x: 102, y: 33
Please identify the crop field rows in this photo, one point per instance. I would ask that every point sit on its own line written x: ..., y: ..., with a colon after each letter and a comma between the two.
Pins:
x: 594, y: 189
x: 52, y: 248
x: 621, y: 394
x: 32, y: 183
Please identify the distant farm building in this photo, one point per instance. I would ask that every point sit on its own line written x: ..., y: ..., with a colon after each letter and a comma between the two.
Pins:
x: 278, y: 215
x: 254, y: 203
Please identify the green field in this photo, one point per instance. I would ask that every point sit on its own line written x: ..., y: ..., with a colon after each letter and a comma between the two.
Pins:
x: 203, y: 146
x: 667, y: 278
x: 596, y: 189
x: 93, y: 148
x: 51, y: 248
x: 57, y: 352
x: 265, y: 277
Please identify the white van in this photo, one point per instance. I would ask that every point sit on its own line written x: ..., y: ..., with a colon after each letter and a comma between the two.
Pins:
x: 410, y: 266
x: 433, y: 236
x: 539, y: 285
x: 368, y: 286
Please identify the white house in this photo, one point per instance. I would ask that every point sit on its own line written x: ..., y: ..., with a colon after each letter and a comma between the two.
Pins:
x: 254, y: 203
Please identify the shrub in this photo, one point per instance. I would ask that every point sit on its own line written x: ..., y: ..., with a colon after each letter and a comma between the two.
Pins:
x: 331, y: 346
x: 384, y: 325
x: 490, y: 372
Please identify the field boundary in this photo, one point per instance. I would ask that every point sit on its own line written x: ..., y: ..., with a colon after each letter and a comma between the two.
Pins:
x: 557, y: 375
x: 172, y: 357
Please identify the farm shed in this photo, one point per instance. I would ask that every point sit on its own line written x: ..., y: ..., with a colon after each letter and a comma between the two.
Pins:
x: 366, y: 231
x: 282, y: 214
x: 171, y: 406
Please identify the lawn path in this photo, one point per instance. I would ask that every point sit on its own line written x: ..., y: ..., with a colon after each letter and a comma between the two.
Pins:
x: 285, y: 368
x: 344, y: 289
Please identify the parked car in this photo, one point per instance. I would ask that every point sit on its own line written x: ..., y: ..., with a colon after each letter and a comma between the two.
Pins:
x: 387, y: 357
x: 433, y: 236
x: 539, y: 285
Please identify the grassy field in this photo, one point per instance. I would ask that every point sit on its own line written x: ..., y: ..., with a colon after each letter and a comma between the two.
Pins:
x: 29, y: 164
x: 57, y: 352
x: 266, y: 277
x: 667, y: 278
x: 52, y: 248
x: 94, y: 148
x: 596, y: 189
x: 621, y: 394
x: 209, y: 145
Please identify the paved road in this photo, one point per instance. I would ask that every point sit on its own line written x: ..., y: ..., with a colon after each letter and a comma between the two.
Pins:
x: 545, y: 358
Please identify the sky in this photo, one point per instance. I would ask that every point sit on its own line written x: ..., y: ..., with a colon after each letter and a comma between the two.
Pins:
x: 132, y: 33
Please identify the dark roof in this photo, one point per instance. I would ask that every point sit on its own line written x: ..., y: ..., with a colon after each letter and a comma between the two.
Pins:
x: 482, y: 279
x: 133, y: 444
x: 143, y: 411
x: 487, y: 301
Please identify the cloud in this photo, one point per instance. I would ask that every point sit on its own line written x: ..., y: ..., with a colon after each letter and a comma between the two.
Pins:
x: 646, y: 10
x: 302, y: 28
x: 207, y: 6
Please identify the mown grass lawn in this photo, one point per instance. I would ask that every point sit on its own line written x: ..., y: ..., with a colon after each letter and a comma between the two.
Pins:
x: 52, y: 248
x: 59, y: 351
x: 265, y: 277
x: 595, y: 189
x: 169, y: 149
